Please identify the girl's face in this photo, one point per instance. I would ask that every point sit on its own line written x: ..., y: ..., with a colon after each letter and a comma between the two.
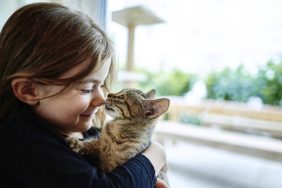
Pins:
x: 72, y: 110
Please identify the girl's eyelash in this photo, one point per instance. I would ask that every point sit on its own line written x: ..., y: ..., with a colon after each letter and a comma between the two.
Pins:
x: 87, y: 90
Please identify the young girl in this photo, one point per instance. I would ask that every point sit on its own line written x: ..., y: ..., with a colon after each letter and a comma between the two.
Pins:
x: 56, y: 67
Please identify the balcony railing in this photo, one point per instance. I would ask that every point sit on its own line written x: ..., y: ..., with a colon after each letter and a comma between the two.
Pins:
x: 226, y: 125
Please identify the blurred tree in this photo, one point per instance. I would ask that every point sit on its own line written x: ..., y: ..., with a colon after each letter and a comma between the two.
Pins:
x: 269, y: 83
x: 239, y: 85
x: 175, y: 82
x: 230, y: 84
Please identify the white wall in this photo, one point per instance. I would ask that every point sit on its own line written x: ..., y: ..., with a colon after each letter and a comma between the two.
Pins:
x: 96, y: 9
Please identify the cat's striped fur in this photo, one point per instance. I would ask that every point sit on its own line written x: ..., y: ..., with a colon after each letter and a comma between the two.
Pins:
x: 129, y: 132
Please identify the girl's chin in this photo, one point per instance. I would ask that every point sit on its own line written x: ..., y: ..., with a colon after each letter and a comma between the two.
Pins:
x: 85, y: 126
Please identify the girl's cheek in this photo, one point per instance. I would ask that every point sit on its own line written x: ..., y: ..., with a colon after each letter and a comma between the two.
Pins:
x: 85, y: 100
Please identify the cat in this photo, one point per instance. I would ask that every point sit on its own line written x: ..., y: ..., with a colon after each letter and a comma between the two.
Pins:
x: 129, y: 133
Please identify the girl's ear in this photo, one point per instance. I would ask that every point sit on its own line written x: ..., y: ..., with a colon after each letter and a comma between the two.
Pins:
x: 25, y: 90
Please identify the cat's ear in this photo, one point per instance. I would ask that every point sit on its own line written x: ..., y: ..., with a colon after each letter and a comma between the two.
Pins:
x: 151, y: 94
x: 155, y: 108
x: 25, y: 90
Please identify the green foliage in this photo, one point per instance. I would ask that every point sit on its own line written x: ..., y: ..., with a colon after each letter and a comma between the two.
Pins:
x: 235, y: 85
x: 239, y: 85
x: 269, y: 83
x: 168, y: 83
x: 190, y: 119
x: 229, y: 84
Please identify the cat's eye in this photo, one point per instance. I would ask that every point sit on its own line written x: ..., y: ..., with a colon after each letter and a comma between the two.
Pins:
x: 120, y: 97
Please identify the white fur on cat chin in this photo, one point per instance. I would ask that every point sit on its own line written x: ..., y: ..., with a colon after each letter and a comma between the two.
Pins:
x: 111, y: 113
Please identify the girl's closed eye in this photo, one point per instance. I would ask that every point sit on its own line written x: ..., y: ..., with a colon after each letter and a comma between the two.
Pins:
x: 87, y: 89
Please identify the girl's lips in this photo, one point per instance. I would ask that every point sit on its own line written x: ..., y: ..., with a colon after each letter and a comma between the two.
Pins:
x: 86, y: 115
x: 89, y: 114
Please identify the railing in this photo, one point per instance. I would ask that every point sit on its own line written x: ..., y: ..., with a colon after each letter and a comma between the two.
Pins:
x: 229, y: 126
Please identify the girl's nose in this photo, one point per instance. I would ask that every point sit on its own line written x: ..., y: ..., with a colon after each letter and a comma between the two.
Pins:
x: 99, y: 98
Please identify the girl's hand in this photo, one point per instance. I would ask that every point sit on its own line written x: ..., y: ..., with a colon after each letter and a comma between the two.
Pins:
x: 161, y: 184
x: 156, y: 154
x: 162, y: 178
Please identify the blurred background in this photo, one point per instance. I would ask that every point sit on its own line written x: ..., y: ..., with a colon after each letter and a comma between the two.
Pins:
x: 220, y: 63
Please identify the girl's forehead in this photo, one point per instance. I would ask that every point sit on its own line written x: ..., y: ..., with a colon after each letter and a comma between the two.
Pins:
x: 99, y: 70
x: 73, y: 71
x: 100, y: 73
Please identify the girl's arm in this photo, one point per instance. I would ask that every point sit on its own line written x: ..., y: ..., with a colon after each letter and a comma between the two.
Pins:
x: 156, y: 154
x: 32, y: 156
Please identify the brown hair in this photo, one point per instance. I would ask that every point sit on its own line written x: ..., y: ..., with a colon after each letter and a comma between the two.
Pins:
x: 41, y: 41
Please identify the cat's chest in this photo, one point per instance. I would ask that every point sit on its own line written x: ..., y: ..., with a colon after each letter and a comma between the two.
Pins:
x: 121, y: 133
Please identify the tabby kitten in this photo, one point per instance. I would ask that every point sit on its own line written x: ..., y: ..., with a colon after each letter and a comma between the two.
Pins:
x: 129, y: 133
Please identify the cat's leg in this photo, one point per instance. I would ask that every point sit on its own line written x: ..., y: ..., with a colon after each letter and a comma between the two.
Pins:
x: 90, y: 147
x: 83, y: 147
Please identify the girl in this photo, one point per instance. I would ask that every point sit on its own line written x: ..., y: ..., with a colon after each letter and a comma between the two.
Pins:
x: 56, y: 66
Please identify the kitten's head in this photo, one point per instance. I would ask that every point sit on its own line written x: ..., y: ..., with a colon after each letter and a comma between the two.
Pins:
x: 133, y: 103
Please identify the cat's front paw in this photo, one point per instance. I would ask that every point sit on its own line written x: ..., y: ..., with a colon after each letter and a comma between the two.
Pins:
x: 75, y: 144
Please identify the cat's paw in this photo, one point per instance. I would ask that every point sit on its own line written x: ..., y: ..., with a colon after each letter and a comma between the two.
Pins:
x: 75, y: 144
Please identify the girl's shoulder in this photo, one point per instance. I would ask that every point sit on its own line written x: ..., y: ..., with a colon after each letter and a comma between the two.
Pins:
x: 23, y: 125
